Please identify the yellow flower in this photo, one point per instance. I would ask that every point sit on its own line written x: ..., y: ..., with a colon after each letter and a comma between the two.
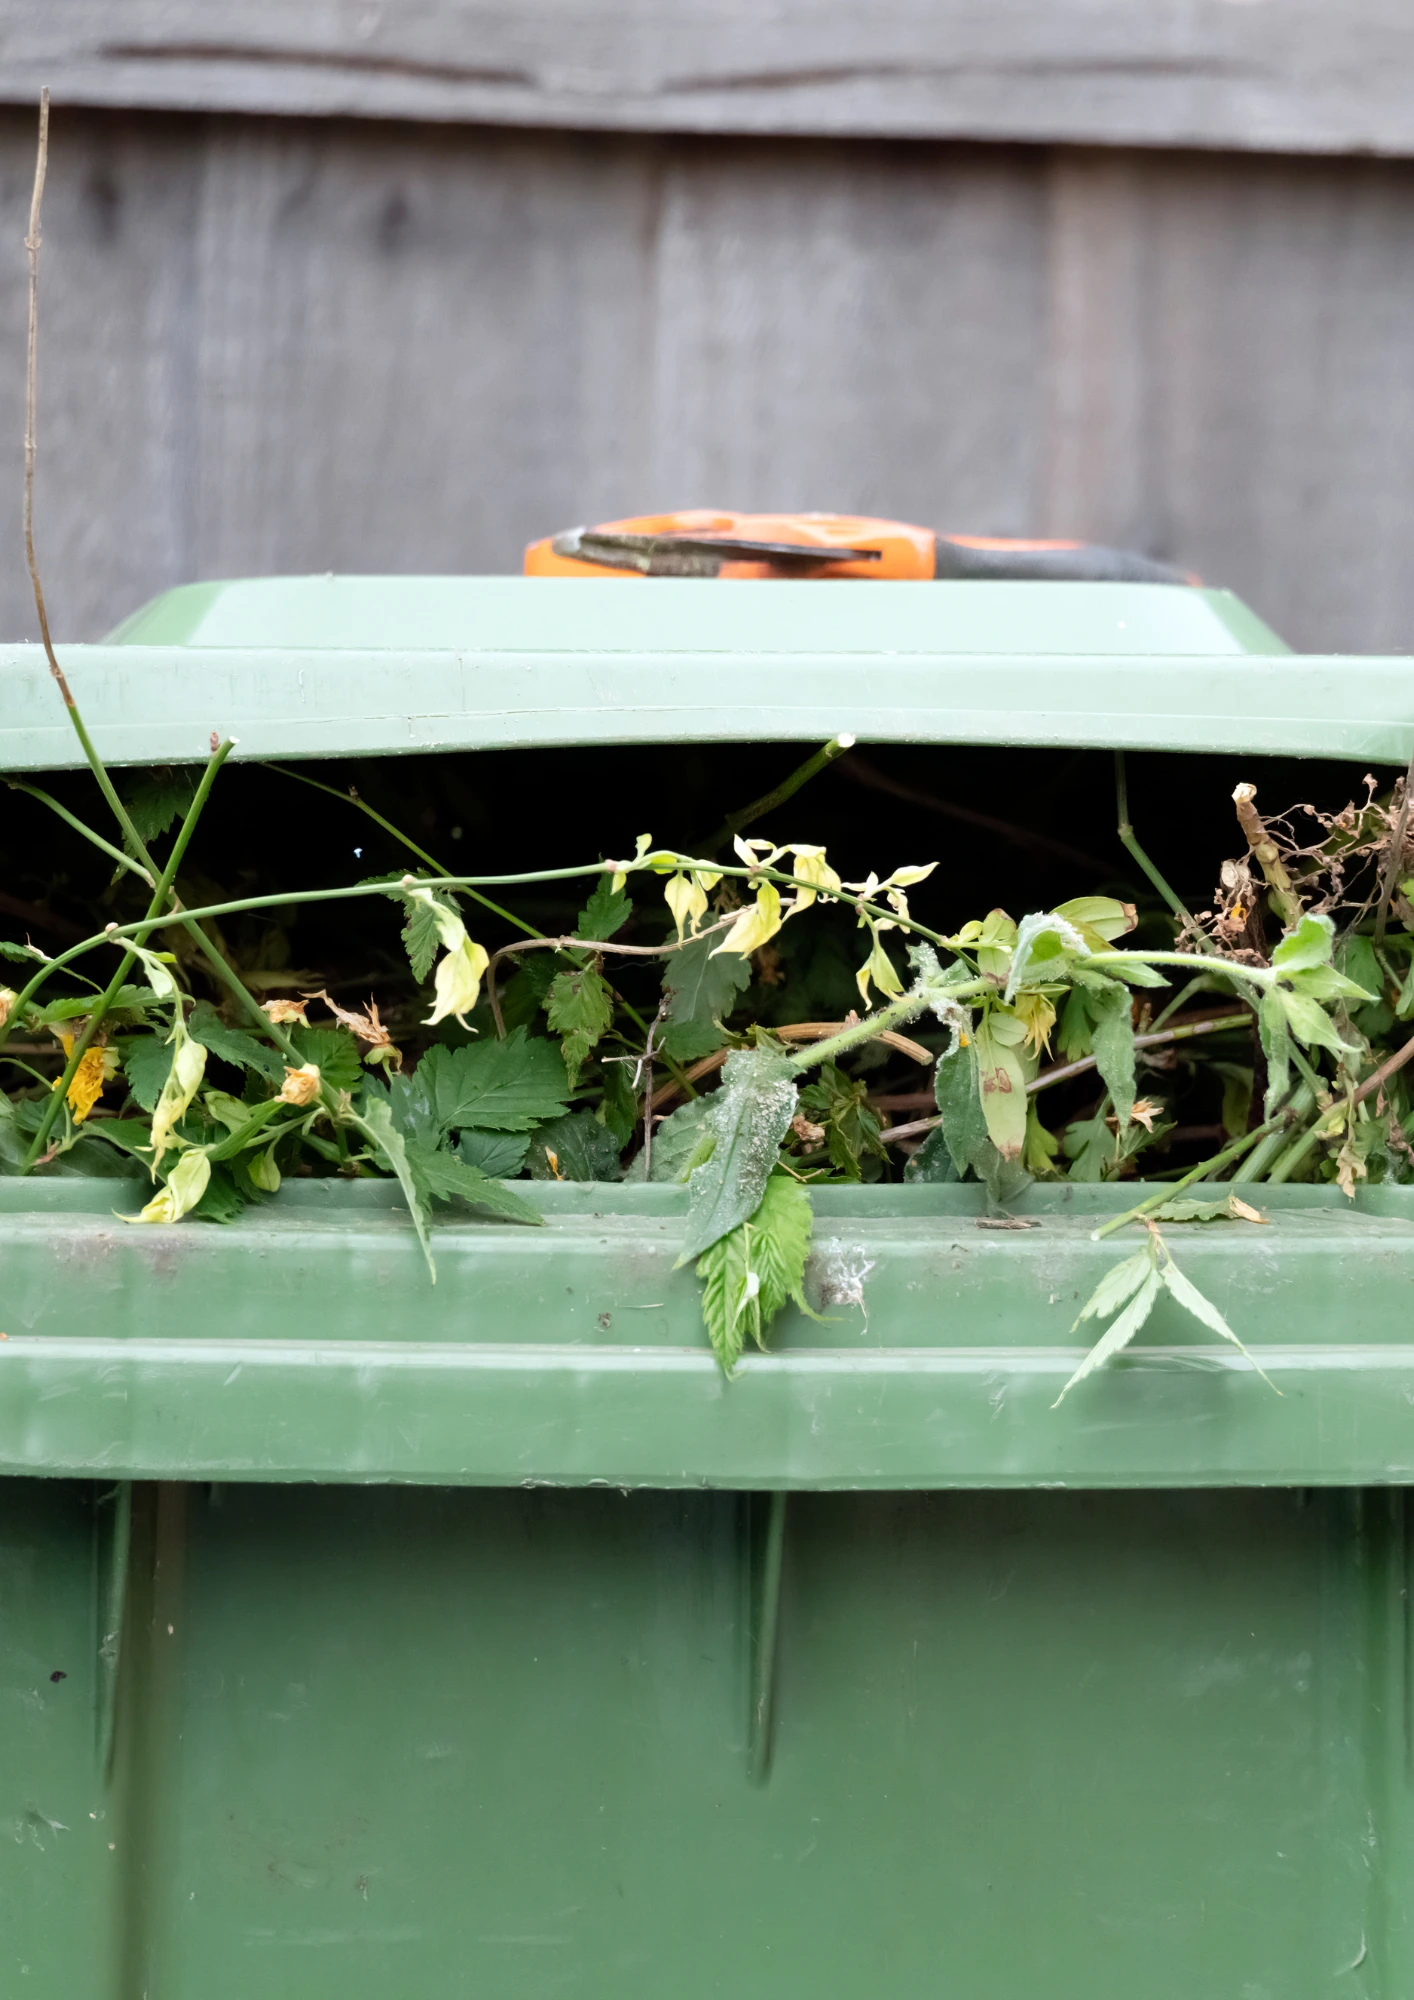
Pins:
x: 686, y: 897
x: 457, y: 981
x: 811, y: 866
x: 301, y: 1086
x: 96, y: 1066
x: 1039, y: 1014
x: 183, y: 1080
x: 879, y: 967
x: 8, y: 997
x: 280, y: 1011
x: 181, y: 1192
x: 757, y: 924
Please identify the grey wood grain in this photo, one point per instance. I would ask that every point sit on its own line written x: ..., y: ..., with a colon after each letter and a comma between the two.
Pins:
x: 1266, y: 74
x: 286, y: 345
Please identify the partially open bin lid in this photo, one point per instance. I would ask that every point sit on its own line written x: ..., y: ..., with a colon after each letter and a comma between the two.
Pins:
x: 338, y: 666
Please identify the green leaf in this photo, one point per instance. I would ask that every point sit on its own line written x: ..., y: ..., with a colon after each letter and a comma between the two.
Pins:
x: 580, y: 1007
x: 1113, y: 1039
x: 1103, y: 917
x: 22, y: 954
x: 499, y: 1155
x: 675, y: 1141
x: 750, y: 1116
x: 523, y: 995
x: 964, y: 1128
x: 1203, y: 1309
x: 1001, y: 1079
x: 606, y: 912
x: 583, y: 1150
x: 221, y: 1200
x: 703, y: 987
x: 1312, y: 1025
x: 1311, y: 943
x: 420, y: 938
x: 840, y: 1104
x: 128, y: 1000
x: 932, y: 1162
x: 248, y: 1129
x: 689, y: 1041
x: 1276, y: 1047
x: 1045, y: 945
x: 375, y: 1121
x: 234, y: 1045
x: 1119, y: 1283
x: 147, y: 1063
x: 1357, y: 961
x: 335, y: 1052
x: 160, y: 797
x: 1187, y: 1209
x: 618, y: 1108
x: 442, y: 1176
x: 751, y: 1272
x: 508, y: 1086
x: 1122, y: 1330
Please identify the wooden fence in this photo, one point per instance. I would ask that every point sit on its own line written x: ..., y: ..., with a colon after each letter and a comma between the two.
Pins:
x: 398, y: 287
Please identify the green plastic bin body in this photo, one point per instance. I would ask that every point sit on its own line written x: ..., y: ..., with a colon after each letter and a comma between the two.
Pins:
x: 361, y: 1641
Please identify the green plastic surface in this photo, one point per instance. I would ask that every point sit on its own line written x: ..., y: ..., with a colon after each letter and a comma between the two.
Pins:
x: 412, y: 1745
x: 304, y: 1341
x: 390, y: 666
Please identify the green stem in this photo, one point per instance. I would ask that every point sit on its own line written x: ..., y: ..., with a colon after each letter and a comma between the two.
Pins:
x: 106, y: 998
x: 1202, y: 1171
x: 73, y: 820
x: 906, y: 1008
x: 1129, y: 841
x: 1300, y: 1105
x: 362, y: 805
x: 734, y: 823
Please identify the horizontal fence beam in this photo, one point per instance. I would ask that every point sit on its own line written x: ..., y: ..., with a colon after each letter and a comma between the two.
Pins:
x: 1279, y: 75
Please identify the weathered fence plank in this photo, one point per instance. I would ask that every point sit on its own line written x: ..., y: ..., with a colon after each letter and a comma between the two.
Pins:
x: 1293, y: 75
x: 310, y: 345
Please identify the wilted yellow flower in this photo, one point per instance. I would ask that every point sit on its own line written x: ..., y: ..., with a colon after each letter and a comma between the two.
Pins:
x: 811, y: 866
x: 8, y: 997
x: 880, y: 968
x: 301, y: 1086
x: 280, y: 1011
x: 181, y: 1192
x: 96, y: 1066
x: 367, y: 1027
x: 457, y: 981
x: 1039, y: 1014
x: 183, y: 1079
x: 757, y: 924
x: 686, y: 897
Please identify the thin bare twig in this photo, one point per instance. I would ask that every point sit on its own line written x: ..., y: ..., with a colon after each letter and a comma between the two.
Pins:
x: 1395, y: 859
x: 653, y: 1026
x: 32, y: 243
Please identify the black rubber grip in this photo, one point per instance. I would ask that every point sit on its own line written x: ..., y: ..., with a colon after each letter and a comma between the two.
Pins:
x: 1084, y: 562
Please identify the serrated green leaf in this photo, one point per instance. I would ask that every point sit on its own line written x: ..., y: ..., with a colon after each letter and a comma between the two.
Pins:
x: 606, y: 912
x: 932, y: 1163
x: 128, y: 1000
x: 1120, y: 1332
x: 221, y: 1200
x: 161, y: 797
x: 21, y: 954
x: 675, y: 1141
x: 1113, y: 1039
x: 1203, y: 1309
x: 751, y: 1115
x: 618, y: 1108
x: 334, y: 1051
x: 420, y: 937
x: 580, y: 1008
x: 689, y: 1041
x: 442, y: 1176
x: 1119, y: 1283
x: 147, y: 1063
x: 375, y: 1121
x: 234, y: 1045
x: 508, y: 1086
x: 702, y: 984
x: 583, y: 1150
x: 779, y: 1233
x: 726, y: 1274
x: 498, y: 1155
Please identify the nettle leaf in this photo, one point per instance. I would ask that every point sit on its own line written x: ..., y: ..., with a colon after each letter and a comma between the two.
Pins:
x: 508, y: 1086
x: 689, y: 1041
x: 334, y: 1051
x: 147, y: 1063
x: 750, y: 1116
x: 443, y: 1176
x: 420, y: 935
x: 523, y: 995
x: 1001, y: 1080
x: 702, y: 984
x: 749, y: 1274
x: 582, y: 1149
x: 499, y: 1155
x: 161, y: 797
x: 840, y: 1104
x: 1203, y: 1309
x: 221, y: 1200
x: 1112, y: 1037
x: 234, y: 1045
x: 129, y: 1000
x: 606, y: 912
x: 375, y: 1121
x: 22, y: 954
x: 580, y: 1007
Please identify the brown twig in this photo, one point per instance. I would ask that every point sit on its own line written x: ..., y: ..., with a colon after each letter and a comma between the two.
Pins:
x: 1395, y: 859
x: 1267, y: 855
x: 648, y: 1092
x: 32, y: 243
